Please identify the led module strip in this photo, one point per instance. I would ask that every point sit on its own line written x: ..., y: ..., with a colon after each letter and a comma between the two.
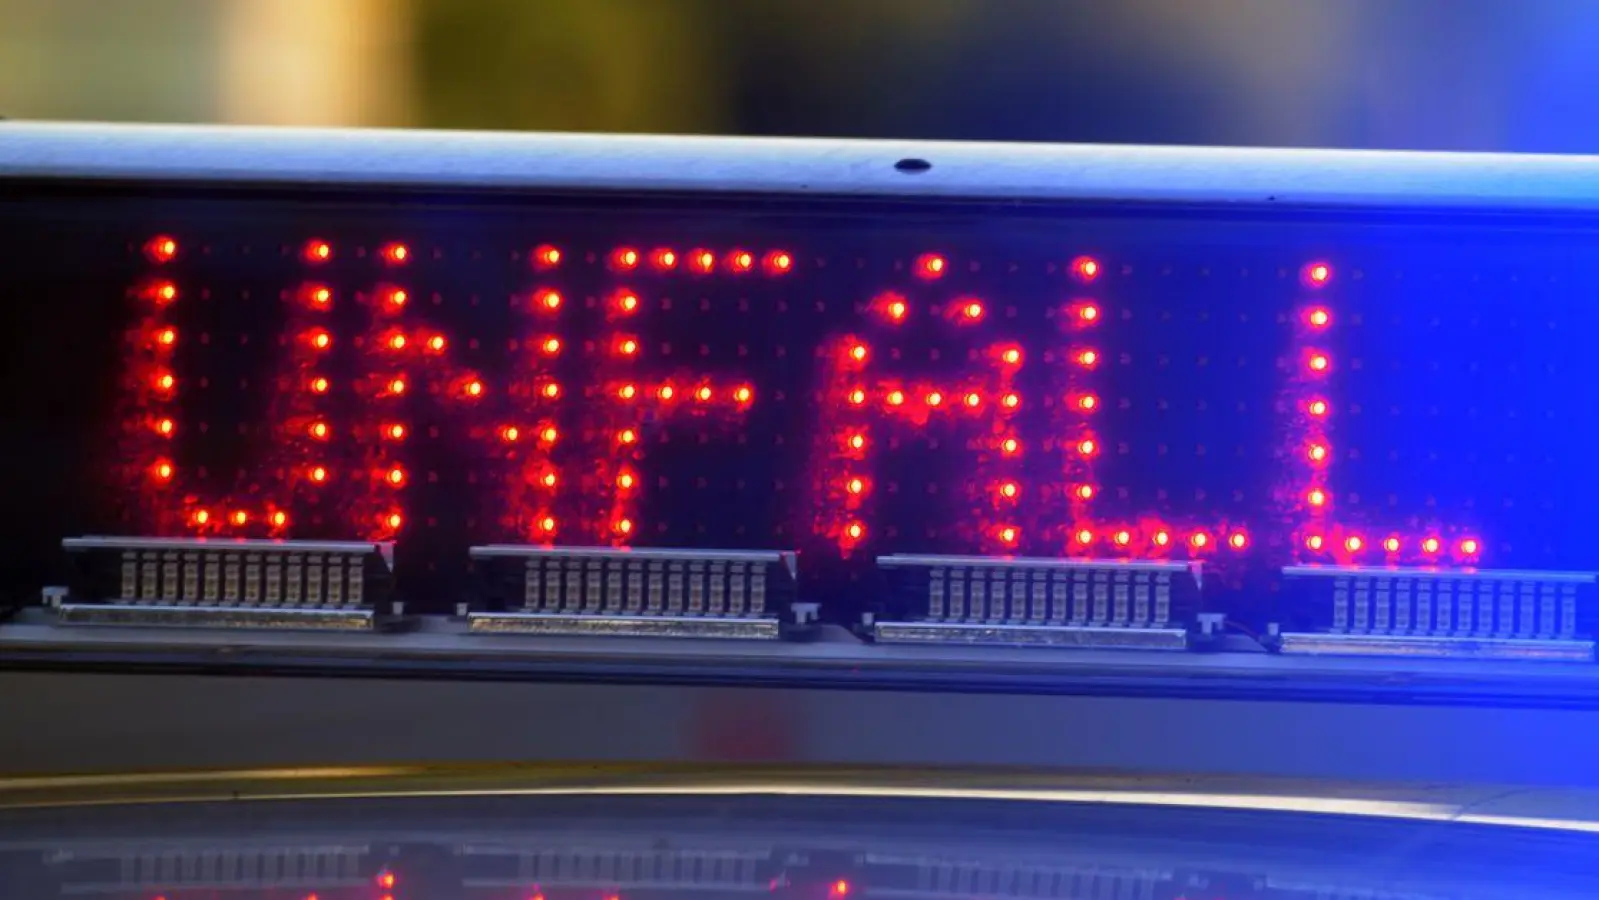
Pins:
x: 1393, y: 611
x: 622, y: 592
x: 200, y: 582
x: 1039, y: 601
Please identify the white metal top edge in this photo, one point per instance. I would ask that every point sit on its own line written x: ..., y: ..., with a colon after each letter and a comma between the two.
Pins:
x: 504, y: 160
x: 490, y: 551
x: 1332, y: 570
x: 1048, y: 562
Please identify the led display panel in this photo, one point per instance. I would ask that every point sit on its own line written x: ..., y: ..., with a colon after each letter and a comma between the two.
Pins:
x: 847, y: 380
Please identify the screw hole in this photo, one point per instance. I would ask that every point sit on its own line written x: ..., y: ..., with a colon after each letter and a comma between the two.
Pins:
x: 912, y: 166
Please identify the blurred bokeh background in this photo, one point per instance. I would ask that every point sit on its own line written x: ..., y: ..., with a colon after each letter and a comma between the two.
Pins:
x: 1435, y: 74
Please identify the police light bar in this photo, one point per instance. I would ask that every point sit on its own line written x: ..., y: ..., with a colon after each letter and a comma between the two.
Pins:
x: 1495, y: 614
x: 239, y: 583
x: 633, y: 592
x: 1143, y: 604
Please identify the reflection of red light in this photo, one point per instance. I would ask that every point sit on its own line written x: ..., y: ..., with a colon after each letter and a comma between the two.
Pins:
x: 1314, y: 542
x: 318, y: 251
x: 1083, y: 492
x: 1318, y: 274
x: 1391, y: 544
x: 624, y: 258
x: 547, y: 256
x: 1085, y: 268
x: 930, y: 265
x: 396, y: 253
x: 1238, y: 540
x: 162, y: 248
x: 1431, y: 545
x: 1318, y: 317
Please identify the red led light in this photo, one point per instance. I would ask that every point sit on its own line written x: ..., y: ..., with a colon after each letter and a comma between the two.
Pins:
x: 547, y: 256
x: 935, y: 398
x: 856, y: 441
x: 1087, y: 447
x: 895, y: 398
x: 1009, y: 535
x: 1010, y: 490
x: 1199, y: 540
x: 624, y: 258
x: 1087, y: 358
x: 318, y: 251
x: 855, y: 531
x: 743, y: 394
x: 548, y: 299
x: 704, y: 261
x: 200, y: 517
x: 394, y: 431
x: 665, y: 392
x: 161, y: 248
x: 1011, y: 356
x: 627, y: 347
x: 551, y: 346
x: 547, y: 524
x: 839, y: 888
x: 548, y: 479
x: 857, y: 397
x: 778, y: 262
x: 625, y: 481
x: 1010, y: 401
x: 1122, y: 538
x: 1238, y: 540
x: 550, y: 390
x: 1318, y: 362
x: 897, y: 310
x: 318, y: 474
x: 1087, y: 403
x: 1010, y: 446
x: 395, y: 476
x: 858, y: 352
x: 1317, y: 452
x: 549, y: 434
x: 972, y: 311
x: 1316, y: 497
x: 473, y: 388
x: 395, y: 254
x: 165, y: 427
x: 855, y: 486
x: 166, y: 337
x: 627, y: 302
x: 1318, y: 317
x: 1083, y: 492
x: 165, y: 382
x: 1088, y: 312
x: 972, y: 400
x: 1470, y: 547
x: 280, y: 519
x: 1431, y: 545
x: 741, y: 260
x: 1318, y: 274
x: 319, y: 296
x: 1391, y: 544
x: 240, y: 518
x: 1161, y: 538
x: 396, y: 386
x: 627, y: 391
x: 1317, y: 408
x: 319, y: 339
x: 627, y: 436
x: 162, y: 470
x: 1354, y: 543
x: 163, y: 292
x: 318, y: 430
x: 394, y: 521
x: 397, y: 341
x: 663, y: 259
x: 623, y: 526
x: 1084, y: 537
x: 1085, y: 268
x: 930, y: 265
x: 1314, y: 543
x: 704, y: 393
x: 510, y: 433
